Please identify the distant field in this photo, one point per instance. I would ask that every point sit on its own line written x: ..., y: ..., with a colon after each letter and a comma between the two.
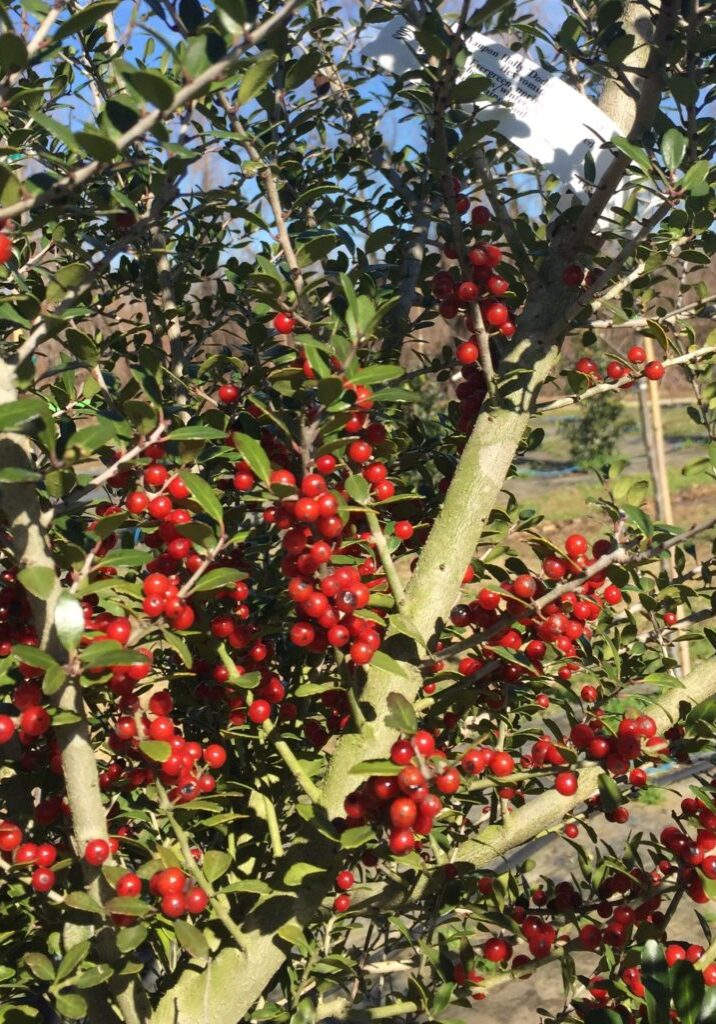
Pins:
x: 564, y: 498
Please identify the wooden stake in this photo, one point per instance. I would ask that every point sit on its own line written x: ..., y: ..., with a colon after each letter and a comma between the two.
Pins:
x: 653, y: 432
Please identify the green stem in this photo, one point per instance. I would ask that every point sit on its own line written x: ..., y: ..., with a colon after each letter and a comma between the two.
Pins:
x: 381, y: 546
x: 195, y: 871
x: 289, y: 759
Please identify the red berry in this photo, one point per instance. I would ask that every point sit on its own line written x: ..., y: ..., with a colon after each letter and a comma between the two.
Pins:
x: 360, y: 451
x: 502, y: 764
x: 5, y: 248
x: 155, y: 475
x: 654, y: 370
x: 566, y: 783
x: 10, y: 836
x: 35, y: 721
x: 129, y: 885
x: 401, y: 841
x: 480, y: 216
x: 42, y: 879
x: 173, y: 904
x: 341, y: 903
x: 573, y: 276
x: 403, y: 812
x: 196, y: 900
x: 449, y: 781
x: 424, y: 743
x: 284, y: 323
x: 636, y: 354
x: 96, y: 852
x: 46, y: 855
x: 325, y: 464
x: 361, y: 653
x: 467, y: 352
x: 171, y: 880
x: 497, y: 314
x: 228, y: 393
x: 7, y: 728
x: 496, y: 950
x: 344, y: 880
x: 404, y: 529
x: 259, y: 711
x: 136, y: 502
x: 215, y: 755
x: 575, y: 545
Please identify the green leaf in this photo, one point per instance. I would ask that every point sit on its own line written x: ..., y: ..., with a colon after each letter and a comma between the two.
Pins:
x: 687, y: 986
x: 18, y: 475
x: 251, y: 450
x: 10, y: 188
x: 600, y: 1015
x: 33, y: 656
x: 202, y: 51
x: 156, y: 750
x: 707, y: 1012
x: 96, y: 145
x: 69, y: 620
x: 15, y: 415
x: 203, y: 494
x: 40, y: 965
x: 352, y: 838
x: 257, y: 76
x: 639, y: 518
x: 196, y: 432
x: 402, y: 624
x: 695, y: 176
x: 83, y: 901
x: 305, y: 1012
x: 178, y: 645
x: 299, y: 71
x: 635, y: 153
x: 297, y: 872
x: 58, y: 131
x: 72, y: 959
x: 216, y: 863
x: 383, y: 661
x: 376, y: 374
x: 88, y: 16
x: 378, y: 766
x: 53, y: 679
x: 401, y: 714
x: 358, y: 488
x: 132, y: 906
x: 40, y: 580
x: 106, y: 653
x: 94, y: 976
x: 191, y: 13
x: 13, y: 52
x: 90, y: 439
x: 655, y: 977
x: 129, y: 938
x: 126, y: 557
x: 71, y: 1005
x: 469, y: 89
x: 673, y: 147
x: 609, y: 793
x: 152, y: 86
x: 191, y: 939
x: 217, y: 579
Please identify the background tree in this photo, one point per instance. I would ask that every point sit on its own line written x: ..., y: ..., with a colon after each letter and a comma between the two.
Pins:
x: 277, y: 642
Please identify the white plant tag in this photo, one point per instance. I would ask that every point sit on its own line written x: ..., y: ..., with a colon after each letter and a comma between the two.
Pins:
x: 538, y: 112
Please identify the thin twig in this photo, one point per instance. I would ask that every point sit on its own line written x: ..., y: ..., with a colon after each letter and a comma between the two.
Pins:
x: 623, y: 382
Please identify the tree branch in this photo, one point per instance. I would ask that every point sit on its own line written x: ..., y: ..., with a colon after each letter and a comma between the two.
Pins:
x: 81, y: 174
